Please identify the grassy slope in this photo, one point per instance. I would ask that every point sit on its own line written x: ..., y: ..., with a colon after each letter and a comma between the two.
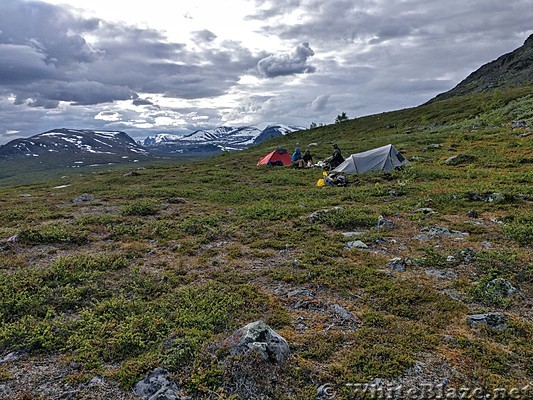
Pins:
x: 168, y: 260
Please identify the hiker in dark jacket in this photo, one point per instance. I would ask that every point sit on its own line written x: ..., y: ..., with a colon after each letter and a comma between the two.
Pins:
x: 337, y: 157
x: 308, y: 159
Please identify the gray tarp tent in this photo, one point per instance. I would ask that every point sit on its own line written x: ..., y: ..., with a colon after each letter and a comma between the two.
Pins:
x: 380, y: 159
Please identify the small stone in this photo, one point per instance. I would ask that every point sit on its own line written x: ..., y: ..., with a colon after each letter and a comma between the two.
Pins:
x: 384, y: 223
x: 342, y: 312
x: 351, y: 234
x: 450, y: 259
x: 96, y: 380
x: 156, y: 386
x: 460, y: 159
x: 424, y: 210
x: 441, y: 274
x: 13, y: 239
x: 472, y: 214
x: 356, y: 244
x: 397, y: 264
x: 83, y: 198
x: 13, y: 356
x: 491, y: 320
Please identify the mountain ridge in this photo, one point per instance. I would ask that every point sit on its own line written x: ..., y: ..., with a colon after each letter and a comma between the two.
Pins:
x: 511, y: 69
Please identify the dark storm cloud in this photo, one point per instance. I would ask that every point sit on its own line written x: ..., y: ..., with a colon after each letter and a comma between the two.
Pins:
x: 203, y: 36
x: 287, y: 64
x: 46, y: 59
x: 142, y: 102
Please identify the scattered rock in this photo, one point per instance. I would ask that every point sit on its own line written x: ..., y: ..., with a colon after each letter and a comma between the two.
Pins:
x: 433, y: 231
x: 501, y: 287
x: 472, y: 214
x: 96, y: 380
x: 258, y: 337
x: 433, y: 147
x: 397, y: 264
x: 157, y: 386
x: 343, y: 313
x: 177, y: 200
x: 10, y: 240
x: 70, y: 395
x: 13, y: 356
x: 425, y: 210
x: 384, y: 223
x: 525, y: 134
x: 351, y: 234
x: 452, y: 294
x: 437, y: 273
x: 299, y: 293
x: 460, y: 159
x: 132, y: 173
x: 451, y: 259
x: 317, y: 215
x: 467, y: 254
x: 83, y: 198
x: 491, y: 320
x: 489, y: 197
x: 518, y: 124
x: 356, y: 244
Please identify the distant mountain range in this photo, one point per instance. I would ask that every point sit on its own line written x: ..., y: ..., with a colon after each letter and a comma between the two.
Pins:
x: 224, y: 138
x: 75, y: 147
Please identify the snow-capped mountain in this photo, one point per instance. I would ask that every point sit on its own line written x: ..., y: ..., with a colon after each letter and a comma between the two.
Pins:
x: 273, y: 131
x: 76, y: 147
x: 214, y: 140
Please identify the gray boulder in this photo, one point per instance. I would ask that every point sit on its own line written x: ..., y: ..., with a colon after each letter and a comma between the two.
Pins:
x: 384, y: 223
x: 491, y: 320
x: 397, y: 264
x: 460, y: 159
x: 83, y: 198
x: 157, y: 386
x: 437, y: 273
x: 317, y: 215
x: 472, y: 214
x: 356, y: 244
x: 501, y: 287
x: 258, y: 337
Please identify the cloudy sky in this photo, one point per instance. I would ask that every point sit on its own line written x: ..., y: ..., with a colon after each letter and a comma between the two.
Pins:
x: 146, y: 67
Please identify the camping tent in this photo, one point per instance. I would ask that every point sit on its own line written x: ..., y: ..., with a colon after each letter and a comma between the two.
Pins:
x: 382, y: 158
x: 277, y: 157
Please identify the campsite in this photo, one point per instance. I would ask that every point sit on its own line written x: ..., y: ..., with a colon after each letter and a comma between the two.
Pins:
x: 403, y: 277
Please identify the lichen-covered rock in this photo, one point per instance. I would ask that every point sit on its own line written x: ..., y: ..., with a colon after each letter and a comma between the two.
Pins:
x: 397, y: 264
x: 258, y: 337
x: 491, y: 320
x: 157, y: 386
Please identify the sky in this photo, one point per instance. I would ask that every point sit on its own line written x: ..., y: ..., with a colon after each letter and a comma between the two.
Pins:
x: 148, y: 67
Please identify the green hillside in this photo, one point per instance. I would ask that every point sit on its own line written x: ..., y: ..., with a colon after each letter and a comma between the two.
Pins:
x: 165, y: 261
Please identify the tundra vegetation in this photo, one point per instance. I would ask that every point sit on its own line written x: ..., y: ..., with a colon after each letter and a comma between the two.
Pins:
x: 170, y: 258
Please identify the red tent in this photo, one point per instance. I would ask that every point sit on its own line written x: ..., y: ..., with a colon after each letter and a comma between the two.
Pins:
x: 277, y: 157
